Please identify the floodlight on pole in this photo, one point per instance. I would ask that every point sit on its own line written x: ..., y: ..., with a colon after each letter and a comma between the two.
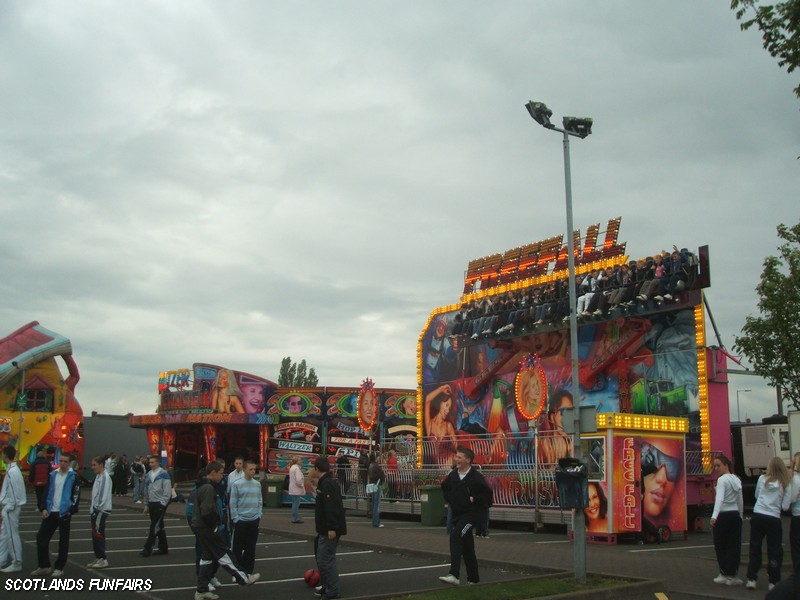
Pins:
x: 577, y: 127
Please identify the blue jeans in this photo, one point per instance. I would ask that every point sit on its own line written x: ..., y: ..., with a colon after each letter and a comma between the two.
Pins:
x: 326, y: 563
x: 296, y: 508
x: 138, y: 486
x: 376, y: 507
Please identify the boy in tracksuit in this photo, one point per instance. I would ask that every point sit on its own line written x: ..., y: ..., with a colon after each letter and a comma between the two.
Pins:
x: 63, y: 494
x: 157, y: 495
x: 467, y: 493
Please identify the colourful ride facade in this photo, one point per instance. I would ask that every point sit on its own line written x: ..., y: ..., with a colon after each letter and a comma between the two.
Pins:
x: 497, y: 380
x: 38, y: 408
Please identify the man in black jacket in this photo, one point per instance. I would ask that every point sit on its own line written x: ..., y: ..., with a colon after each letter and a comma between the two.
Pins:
x: 467, y: 492
x: 330, y: 524
x: 206, y: 522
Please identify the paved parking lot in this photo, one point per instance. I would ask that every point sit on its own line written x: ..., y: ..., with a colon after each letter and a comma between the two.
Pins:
x: 281, y: 560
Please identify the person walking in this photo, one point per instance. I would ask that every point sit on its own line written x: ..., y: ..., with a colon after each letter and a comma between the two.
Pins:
x: 297, y: 487
x: 206, y: 519
x: 726, y: 519
x: 330, y: 524
x: 157, y: 496
x: 101, y: 509
x: 375, y: 477
x: 39, y: 475
x: 467, y: 492
x: 111, y: 467
x: 245, y: 510
x: 12, y: 499
x: 771, y: 498
x: 137, y: 479
x: 63, y: 494
x: 794, y: 527
x: 121, y: 474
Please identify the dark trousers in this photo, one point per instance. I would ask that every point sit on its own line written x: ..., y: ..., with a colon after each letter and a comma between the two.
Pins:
x: 99, y: 534
x: 46, y: 531
x: 761, y: 526
x: 157, y: 530
x: 794, y: 542
x: 728, y: 542
x: 245, y: 536
x: 41, y: 495
x: 463, y: 544
x: 215, y: 554
x: 326, y: 563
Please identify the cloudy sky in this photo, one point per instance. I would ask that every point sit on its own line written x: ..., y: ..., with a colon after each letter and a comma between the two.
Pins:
x: 235, y: 182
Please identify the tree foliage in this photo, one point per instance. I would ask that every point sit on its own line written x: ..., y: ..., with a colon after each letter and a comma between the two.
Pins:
x: 296, y: 375
x: 772, y: 341
x: 779, y: 24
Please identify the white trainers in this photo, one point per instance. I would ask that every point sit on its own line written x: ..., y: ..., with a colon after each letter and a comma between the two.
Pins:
x: 721, y: 578
x: 57, y: 572
x: 215, y: 582
x: 252, y: 578
x: 734, y: 581
x: 771, y: 587
x: 212, y: 587
x: 751, y: 584
x: 451, y: 579
x: 100, y: 563
x: 205, y: 596
x: 14, y: 567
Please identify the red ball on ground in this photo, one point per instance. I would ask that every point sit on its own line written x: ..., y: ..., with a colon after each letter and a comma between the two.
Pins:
x: 312, y: 577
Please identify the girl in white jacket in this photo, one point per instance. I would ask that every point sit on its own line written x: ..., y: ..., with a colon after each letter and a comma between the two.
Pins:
x: 727, y: 522
x: 773, y: 494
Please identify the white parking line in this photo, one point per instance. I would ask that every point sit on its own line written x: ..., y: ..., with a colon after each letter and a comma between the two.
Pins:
x: 361, y: 573
x: 672, y: 548
x: 257, y: 560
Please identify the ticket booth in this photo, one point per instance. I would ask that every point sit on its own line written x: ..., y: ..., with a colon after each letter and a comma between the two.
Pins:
x: 637, y: 477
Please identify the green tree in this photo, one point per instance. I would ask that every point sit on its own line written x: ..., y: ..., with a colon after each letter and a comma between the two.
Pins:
x: 296, y: 375
x: 779, y: 24
x: 772, y: 341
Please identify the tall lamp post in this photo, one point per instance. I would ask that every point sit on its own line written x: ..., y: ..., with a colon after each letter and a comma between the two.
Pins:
x: 739, y: 414
x: 577, y: 127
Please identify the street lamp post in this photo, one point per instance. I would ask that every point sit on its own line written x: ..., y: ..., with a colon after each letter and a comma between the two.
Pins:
x: 577, y: 127
x: 739, y: 414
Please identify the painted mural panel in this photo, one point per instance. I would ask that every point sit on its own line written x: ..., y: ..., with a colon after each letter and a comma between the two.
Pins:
x: 644, y: 363
x: 211, y: 388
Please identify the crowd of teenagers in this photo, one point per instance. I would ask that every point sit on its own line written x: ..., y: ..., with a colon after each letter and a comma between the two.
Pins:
x: 224, y: 513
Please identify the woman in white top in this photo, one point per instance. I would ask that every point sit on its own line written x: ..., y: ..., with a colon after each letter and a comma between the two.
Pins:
x: 794, y: 528
x: 772, y: 497
x: 727, y: 522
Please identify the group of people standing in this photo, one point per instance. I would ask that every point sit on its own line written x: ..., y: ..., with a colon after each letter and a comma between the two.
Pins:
x: 777, y: 491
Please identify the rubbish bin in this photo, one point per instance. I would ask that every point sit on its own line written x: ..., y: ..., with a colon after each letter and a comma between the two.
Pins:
x: 432, y: 509
x: 572, y: 479
x: 272, y: 491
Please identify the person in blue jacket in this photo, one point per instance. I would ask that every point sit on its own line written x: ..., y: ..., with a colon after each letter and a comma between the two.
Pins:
x: 63, y: 493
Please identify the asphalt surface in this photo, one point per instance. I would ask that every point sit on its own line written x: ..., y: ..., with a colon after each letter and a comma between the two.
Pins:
x: 403, y: 556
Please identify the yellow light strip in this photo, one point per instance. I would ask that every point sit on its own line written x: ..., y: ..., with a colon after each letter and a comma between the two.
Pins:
x: 605, y: 263
x: 642, y: 422
x: 702, y: 384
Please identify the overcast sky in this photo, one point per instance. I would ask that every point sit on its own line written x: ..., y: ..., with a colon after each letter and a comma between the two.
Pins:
x: 235, y: 182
